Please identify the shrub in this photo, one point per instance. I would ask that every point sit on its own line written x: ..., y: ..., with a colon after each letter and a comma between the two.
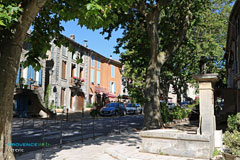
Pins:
x: 89, y: 105
x: 232, y: 136
x: 166, y: 116
x: 234, y: 122
x: 180, y: 113
x: 95, y: 112
x: 232, y: 141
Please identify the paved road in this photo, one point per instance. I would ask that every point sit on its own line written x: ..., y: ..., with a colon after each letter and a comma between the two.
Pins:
x: 54, y: 132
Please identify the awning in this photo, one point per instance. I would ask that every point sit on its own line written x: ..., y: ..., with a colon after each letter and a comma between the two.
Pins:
x: 100, y: 90
x: 112, y: 95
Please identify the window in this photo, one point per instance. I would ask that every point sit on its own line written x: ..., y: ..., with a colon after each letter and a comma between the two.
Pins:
x: 98, y: 77
x: 62, y: 96
x: 64, y: 52
x: 92, y: 75
x: 112, y: 87
x: 81, y: 73
x: 98, y: 63
x: 73, y: 73
x: 113, y: 71
x: 30, y: 74
x: 40, y: 77
x: 92, y: 61
x: 64, y: 69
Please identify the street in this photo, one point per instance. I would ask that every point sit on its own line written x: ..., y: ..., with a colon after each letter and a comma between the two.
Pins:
x: 51, y: 132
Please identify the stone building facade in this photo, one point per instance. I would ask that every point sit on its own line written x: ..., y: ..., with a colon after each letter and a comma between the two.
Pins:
x: 68, y: 79
x: 232, y: 57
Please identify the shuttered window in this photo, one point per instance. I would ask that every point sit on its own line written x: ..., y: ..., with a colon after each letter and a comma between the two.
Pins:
x: 98, y: 63
x: 92, y: 61
x: 40, y: 77
x: 113, y: 87
x: 98, y: 77
x: 63, y: 69
x: 62, y: 96
x: 92, y: 75
x: 113, y: 71
x: 64, y: 52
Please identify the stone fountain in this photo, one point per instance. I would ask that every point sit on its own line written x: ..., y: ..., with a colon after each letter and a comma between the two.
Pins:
x: 181, y: 143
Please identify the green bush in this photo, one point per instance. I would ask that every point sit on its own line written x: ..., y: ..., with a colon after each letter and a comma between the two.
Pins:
x: 89, y: 105
x: 60, y: 107
x: 232, y: 136
x: 166, y: 116
x: 232, y: 141
x: 180, y: 113
x: 95, y: 112
x: 234, y: 122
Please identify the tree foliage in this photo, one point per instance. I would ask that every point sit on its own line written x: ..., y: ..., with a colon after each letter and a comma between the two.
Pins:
x: 204, y: 38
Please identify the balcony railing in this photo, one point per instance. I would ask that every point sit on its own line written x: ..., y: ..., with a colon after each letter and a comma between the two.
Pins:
x: 76, y: 82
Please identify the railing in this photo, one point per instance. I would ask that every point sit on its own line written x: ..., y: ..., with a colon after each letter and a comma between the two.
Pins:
x: 75, y: 82
x: 58, y: 132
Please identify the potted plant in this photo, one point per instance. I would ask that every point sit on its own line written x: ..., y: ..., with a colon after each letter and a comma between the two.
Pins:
x: 232, y: 138
x: 60, y: 109
x: 21, y: 82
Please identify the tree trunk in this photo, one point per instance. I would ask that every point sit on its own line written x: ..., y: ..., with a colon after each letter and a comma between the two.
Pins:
x: 11, y: 43
x: 152, y: 114
x: 179, y: 98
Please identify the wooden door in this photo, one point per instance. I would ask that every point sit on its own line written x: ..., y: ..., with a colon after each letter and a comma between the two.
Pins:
x: 71, y: 100
x: 80, y: 101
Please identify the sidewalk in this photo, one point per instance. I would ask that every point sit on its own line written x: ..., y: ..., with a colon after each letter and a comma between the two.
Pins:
x: 125, y: 146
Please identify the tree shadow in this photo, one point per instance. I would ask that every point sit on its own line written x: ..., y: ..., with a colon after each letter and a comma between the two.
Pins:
x: 127, y: 137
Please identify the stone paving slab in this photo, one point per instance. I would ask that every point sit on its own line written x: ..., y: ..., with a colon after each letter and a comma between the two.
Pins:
x: 125, y: 146
x: 132, y: 153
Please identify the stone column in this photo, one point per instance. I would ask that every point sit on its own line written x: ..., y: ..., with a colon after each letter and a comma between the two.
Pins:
x: 207, y: 121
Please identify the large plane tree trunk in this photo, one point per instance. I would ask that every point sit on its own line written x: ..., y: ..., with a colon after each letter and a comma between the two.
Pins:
x: 152, y: 108
x: 152, y: 114
x: 11, y: 42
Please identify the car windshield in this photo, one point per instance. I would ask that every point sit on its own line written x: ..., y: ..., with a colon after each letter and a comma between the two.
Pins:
x: 130, y: 105
x: 112, y: 105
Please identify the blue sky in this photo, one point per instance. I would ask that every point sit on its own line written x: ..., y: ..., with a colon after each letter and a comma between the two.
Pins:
x: 96, y: 41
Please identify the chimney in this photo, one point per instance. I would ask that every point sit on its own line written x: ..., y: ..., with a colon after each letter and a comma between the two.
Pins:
x: 85, y: 43
x: 72, y: 36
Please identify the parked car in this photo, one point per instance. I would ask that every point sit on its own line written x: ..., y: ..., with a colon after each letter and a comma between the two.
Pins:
x: 131, y: 108
x: 113, y: 109
x: 171, y: 105
x: 139, y: 108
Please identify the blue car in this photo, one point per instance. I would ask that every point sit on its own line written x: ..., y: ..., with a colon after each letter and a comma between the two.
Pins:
x: 113, y: 109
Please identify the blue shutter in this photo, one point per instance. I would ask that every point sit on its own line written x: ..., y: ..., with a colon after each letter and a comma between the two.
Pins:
x: 28, y: 74
x: 32, y: 73
x: 92, y: 75
x: 92, y: 62
x: 113, y: 71
x: 98, y: 63
x: 40, y: 77
x: 18, y: 74
x: 114, y: 85
x: 98, y: 77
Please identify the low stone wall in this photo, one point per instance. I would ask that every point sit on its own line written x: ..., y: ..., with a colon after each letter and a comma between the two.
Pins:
x: 177, y: 143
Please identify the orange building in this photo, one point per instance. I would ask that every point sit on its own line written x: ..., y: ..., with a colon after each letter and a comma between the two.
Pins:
x: 104, y: 79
